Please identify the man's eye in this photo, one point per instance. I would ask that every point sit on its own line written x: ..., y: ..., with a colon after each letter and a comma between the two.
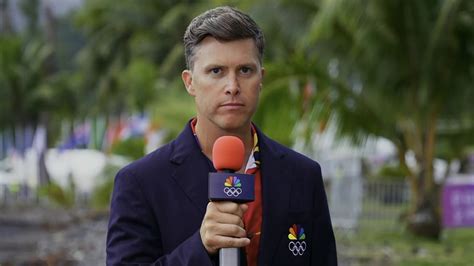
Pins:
x: 216, y: 70
x: 245, y: 70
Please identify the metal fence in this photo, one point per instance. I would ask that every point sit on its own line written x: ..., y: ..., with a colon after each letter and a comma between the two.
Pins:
x: 355, y: 202
x: 384, y: 203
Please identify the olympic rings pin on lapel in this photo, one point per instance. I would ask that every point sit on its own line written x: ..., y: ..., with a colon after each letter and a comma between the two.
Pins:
x: 297, y: 245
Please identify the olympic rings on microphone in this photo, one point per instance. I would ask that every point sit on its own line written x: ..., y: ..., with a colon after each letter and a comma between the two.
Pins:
x: 232, y: 191
x: 297, y: 247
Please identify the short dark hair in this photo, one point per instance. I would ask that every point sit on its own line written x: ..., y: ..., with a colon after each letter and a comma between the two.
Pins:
x: 225, y: 24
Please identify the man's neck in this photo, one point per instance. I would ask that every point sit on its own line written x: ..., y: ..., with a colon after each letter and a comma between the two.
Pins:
x: 208, y: 134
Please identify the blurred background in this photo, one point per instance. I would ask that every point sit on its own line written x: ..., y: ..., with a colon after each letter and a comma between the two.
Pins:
x: 379, y: 92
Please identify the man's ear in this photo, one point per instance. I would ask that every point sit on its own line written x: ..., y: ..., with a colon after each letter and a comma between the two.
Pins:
x: 187, y: 77
x: 262, y: 73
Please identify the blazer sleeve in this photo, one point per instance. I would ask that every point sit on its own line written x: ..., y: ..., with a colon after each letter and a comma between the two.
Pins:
x: 327, y: 254
x: 133, y: 235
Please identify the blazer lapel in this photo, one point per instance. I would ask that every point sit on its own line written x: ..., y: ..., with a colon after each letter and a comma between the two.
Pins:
x: 192, y: 169
x: 276, y: 198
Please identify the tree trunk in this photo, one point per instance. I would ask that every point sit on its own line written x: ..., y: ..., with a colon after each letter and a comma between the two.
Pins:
x: 43, y: 175
x: 424, y: 219
x: 44, y: 178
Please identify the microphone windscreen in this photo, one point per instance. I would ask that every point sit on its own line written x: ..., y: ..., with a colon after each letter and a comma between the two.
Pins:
x: 228, y: 153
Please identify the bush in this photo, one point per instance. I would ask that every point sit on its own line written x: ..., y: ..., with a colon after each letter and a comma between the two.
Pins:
x: 64, y: 197
x: 100, y: 197
x: 133, y: 148
x: 391, y: 173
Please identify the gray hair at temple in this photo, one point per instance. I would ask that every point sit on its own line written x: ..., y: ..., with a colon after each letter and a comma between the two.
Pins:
x: 225, y: 24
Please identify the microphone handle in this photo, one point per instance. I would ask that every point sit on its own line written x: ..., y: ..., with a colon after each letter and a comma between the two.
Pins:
x: 229, y: 257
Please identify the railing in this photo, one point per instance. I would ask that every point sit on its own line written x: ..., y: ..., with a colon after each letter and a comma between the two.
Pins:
x: 384, y: 203
x: 359, y: 206
x: 355, y: 202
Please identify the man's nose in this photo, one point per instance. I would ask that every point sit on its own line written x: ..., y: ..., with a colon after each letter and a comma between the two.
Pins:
x: 232, y: 86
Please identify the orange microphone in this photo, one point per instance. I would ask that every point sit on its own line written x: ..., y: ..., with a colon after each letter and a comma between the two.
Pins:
x: 228, y: 154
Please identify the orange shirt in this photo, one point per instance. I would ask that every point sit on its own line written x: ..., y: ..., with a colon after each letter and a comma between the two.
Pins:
x: 253, y: 222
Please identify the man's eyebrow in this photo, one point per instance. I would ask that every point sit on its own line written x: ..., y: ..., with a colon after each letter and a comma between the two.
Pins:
x: 217, y: 65
x: 213, y: 65
x: 249, y: 64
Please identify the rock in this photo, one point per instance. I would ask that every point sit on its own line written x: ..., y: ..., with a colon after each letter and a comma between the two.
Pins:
x: 44, y: 236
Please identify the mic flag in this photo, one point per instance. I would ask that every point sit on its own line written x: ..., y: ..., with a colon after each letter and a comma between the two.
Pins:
x: 231, y: 187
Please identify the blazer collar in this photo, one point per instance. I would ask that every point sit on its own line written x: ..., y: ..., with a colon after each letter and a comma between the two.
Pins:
x: 192, y: 168
x: 184, y: 145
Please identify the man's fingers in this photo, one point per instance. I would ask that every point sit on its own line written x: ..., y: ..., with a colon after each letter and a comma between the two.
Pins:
x: 229, y: 230
x: 223, y: 227
x: 231, y: 207
x: 218, y: 242
x: 225, y: 218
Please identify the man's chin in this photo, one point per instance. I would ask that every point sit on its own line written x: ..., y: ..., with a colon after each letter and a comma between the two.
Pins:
x: 234, y: 125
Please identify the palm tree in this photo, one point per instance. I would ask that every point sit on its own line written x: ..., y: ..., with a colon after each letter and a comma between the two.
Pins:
x: 283, y: 101
x: 132, y: 51
x: 32, y: 89
x: 402, y: 70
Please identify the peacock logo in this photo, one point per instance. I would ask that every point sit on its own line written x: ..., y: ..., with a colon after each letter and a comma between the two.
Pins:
x: 297, y: 245
x: 232, y: 186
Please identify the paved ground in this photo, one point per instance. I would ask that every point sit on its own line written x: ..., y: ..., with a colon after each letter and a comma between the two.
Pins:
x: 45, y: 236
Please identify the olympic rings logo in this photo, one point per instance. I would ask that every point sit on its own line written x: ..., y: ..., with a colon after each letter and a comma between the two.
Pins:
x: 232, y: 191
x: 297, y: 247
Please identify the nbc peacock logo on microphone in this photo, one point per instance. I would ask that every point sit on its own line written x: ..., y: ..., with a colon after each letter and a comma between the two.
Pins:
x: 297, y: 245
x: 232, y: 186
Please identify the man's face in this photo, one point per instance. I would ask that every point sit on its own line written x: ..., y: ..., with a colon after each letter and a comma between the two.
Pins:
x: 225, y: 81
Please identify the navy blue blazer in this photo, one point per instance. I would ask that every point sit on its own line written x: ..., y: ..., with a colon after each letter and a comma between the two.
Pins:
x: 159, y: 201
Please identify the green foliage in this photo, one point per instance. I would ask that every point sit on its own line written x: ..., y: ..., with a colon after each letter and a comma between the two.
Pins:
x: 399, y: 69
x: 391, y: 172
x: 129, y: 48
x: 275, y: 115
x: 376, y: 245
x: 132, y: 148
x: 34, y: 87
x: 22, y: 80
x: 174, y: 109
x: 381, y: 62
x: 100, y: 196
x: 63, y: 197
x: 66, y: 196
x: 139, y: 77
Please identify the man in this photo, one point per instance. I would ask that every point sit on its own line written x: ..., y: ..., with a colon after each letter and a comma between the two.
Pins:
x: 160, y: 212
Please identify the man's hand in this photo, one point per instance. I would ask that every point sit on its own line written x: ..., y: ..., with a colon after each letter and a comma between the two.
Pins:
x: 222, y: 226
